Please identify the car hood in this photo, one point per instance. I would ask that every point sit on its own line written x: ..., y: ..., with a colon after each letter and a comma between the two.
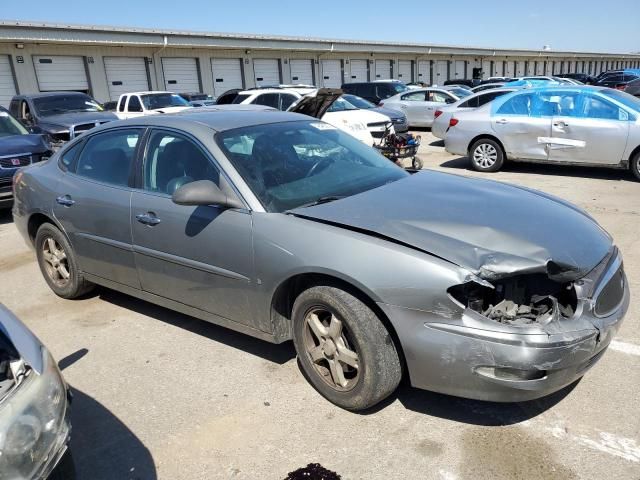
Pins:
x: 364, y: 116
x: 316, y: 103
x: 17, y: 144
x: 493, y: 229
x: 25, y: 342
x: 70, y: 119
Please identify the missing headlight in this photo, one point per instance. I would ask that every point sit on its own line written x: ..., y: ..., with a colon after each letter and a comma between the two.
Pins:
x: 519, y: 300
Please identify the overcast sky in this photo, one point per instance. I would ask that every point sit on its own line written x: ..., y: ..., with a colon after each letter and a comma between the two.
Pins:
x: 584, y: 25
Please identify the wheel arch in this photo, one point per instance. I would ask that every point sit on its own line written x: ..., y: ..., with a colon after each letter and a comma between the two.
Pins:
x: 36, y: 220
x: 633, y: 154
x: 287, y: 291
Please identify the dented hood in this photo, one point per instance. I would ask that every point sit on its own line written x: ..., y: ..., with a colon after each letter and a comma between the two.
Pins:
x: 491, y: 228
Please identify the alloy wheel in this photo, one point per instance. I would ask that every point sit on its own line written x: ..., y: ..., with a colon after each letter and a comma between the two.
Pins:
x: 56, y: 262
x: 485, y: 155
x: 328, y: 344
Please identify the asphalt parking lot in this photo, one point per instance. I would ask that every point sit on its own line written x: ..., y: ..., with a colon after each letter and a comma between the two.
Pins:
x: 161, y: 395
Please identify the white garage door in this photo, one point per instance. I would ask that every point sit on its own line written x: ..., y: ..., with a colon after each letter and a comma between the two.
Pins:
x: 539, y: 66
x: 60, y: 73
x: 498, y: 68
x: 266, y: 71
x: 424, y: 71
x: 441, y: 72
x: 458, y: 72
x: 301, y: 71
x: 7, y: 85
x: 181, y: 75
x: 125, y: 74
x: 359, y: 71
x: 404, y: 71
x: 331, y: 73
x: 227, y: 74
x: 383, y: 69
x: 486, y: 68
x: 508, y: 69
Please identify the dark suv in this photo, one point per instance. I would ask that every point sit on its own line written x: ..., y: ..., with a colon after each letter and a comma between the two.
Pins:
x: 60, y: 116
x: 375, y: 91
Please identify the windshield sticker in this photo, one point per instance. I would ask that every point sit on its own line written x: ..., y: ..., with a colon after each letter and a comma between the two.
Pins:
x: 322, y: 126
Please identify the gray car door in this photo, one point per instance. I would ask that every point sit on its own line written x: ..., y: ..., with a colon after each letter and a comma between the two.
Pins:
x: 588, y: 129
x: 199, y: 256
x: 414, y: 107
x: 94, y: 200
x: 523, y: 126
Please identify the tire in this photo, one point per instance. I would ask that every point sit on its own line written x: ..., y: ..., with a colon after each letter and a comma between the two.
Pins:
x: 634, y: 165
x: 417, y: 163
x: 65, y: 470
x: 486, y: 155
x: 361, y: 349
x: 55, y: 257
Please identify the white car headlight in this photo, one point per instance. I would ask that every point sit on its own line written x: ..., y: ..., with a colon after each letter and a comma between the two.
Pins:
x: 32, y: 422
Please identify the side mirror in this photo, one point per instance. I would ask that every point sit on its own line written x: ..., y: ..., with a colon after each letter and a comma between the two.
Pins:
x: 204, y: 192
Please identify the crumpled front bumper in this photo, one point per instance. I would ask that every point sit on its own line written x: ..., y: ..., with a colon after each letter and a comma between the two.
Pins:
x: 458, y: 356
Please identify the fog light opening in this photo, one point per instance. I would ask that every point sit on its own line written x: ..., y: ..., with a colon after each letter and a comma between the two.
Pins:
x: 511, y: 374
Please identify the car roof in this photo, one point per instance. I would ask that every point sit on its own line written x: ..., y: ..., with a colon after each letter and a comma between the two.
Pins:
x: 148, y: 92
x: 212, y: 117
x: 51, y: 94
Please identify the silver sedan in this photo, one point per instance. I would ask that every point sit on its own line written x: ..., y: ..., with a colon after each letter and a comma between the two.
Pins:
x: 444, y: 114
x: 420, y: 105
x: 576, y: 125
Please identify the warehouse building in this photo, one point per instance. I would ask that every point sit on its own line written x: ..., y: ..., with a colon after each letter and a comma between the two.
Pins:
x: 107, y: 61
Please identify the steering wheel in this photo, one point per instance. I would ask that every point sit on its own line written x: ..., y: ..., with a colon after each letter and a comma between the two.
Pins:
x: 316, y: 166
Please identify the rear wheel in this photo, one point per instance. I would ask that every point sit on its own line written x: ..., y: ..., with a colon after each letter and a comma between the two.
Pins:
x: 486, y: 155
x: 58, y: 263
x: 635, y: 165
x: 344, y: 349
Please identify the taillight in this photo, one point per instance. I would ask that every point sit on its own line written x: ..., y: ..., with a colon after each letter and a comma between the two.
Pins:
x: 437, y: 113
x: 621, y: 87
x: 381, y: 104
x: 453, y: 122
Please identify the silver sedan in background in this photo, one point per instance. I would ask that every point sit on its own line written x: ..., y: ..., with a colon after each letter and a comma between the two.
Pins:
x: 420, y: 105
x: 444, y: 114
x: 580, y: 125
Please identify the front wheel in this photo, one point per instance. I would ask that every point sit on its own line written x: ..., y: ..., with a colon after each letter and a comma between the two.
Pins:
x: 486, y: 155
x: 635, y: 165
x: 344, y: 349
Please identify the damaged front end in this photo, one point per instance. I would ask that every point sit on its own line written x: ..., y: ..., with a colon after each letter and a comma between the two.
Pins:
x: 519, y: 300
x: 515, y: 338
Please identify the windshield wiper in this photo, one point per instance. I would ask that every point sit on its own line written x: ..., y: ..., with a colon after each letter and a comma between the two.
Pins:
x: 320, y: 201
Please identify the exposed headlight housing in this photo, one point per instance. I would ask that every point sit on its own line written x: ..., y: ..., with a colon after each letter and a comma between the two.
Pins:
x: 32, y: 422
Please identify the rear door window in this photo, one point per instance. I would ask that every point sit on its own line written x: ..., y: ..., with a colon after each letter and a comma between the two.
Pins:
x: 107, y: 157
x: 268, y: 99
x: 414, y: 97
x: 134, y: 104
x: 517, y: 105
x: 286, y: 99
x: 488, y: 97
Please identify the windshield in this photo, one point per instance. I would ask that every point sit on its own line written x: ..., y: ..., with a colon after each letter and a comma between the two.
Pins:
x: 461, y: 92
x: 10, y: 126
x: 291, y: 164
x: 56, y: 104
x: 163, y: 100
x: 623, y: 97
x: 358, y: 102
x: 341, y: 105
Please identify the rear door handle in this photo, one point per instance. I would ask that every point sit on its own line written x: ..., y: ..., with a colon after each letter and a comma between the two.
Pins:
x: 148, y: 219
x: 502, y: 121
x: 560, y: 124
x: 65, y: 200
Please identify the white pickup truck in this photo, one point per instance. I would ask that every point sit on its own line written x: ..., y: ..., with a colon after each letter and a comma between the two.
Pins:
x: 136, y: 104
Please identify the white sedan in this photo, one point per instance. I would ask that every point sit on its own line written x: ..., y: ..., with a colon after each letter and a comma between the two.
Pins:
x: 420, y: 105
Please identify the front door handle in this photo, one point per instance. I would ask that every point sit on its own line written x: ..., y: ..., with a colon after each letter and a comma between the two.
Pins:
x: 560, y: 124
x: 65, y: 200
x: 502, y: 121
x: 148, y: 219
